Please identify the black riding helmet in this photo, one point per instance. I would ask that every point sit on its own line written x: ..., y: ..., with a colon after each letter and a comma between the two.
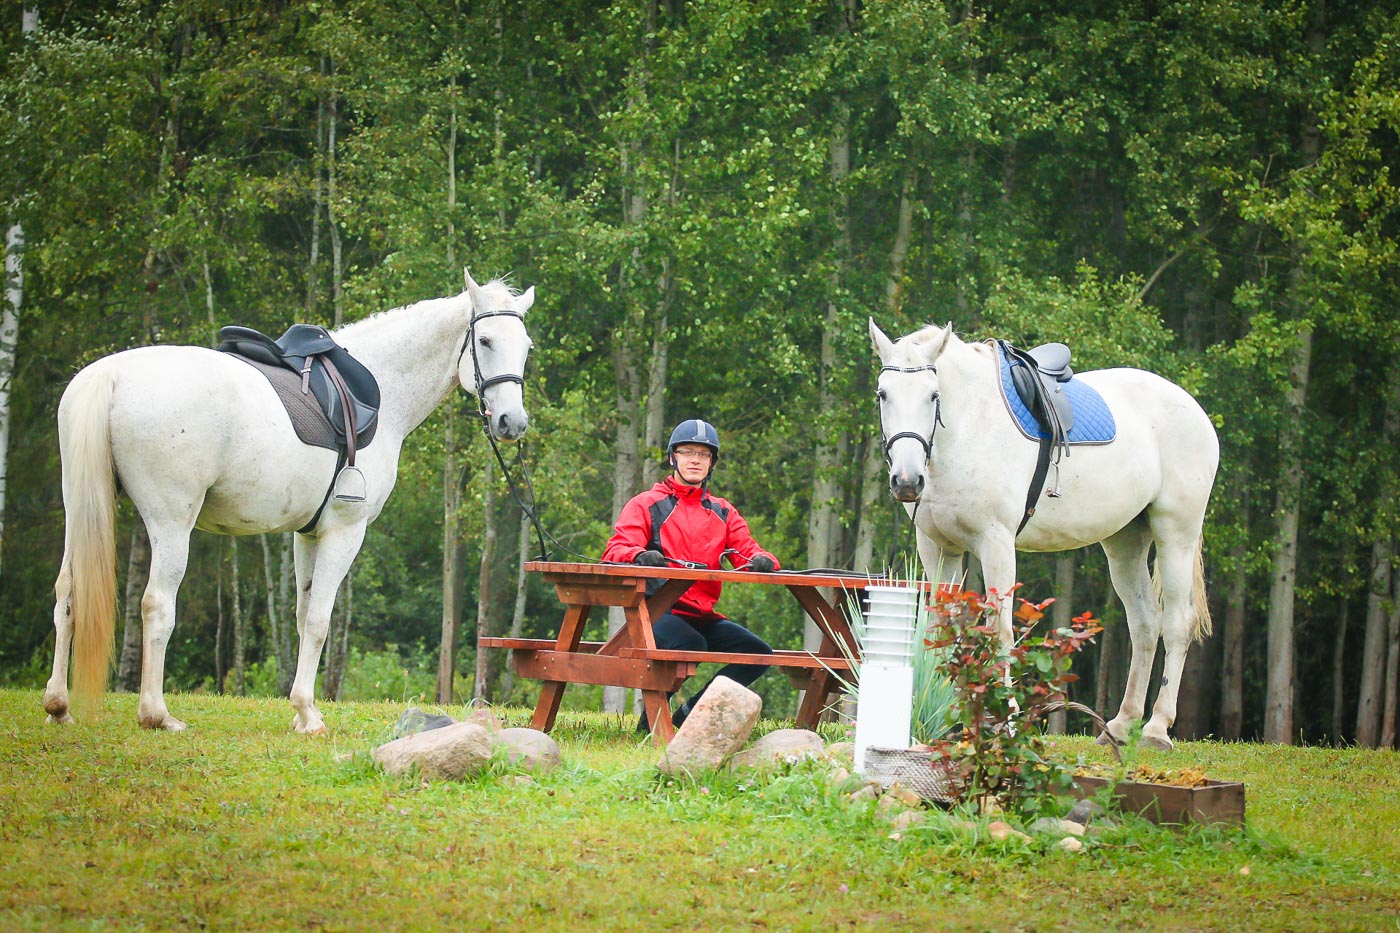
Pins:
x: 693, y: 431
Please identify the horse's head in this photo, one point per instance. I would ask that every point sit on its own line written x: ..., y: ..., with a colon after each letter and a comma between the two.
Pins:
x: 492, y: 362
x: 907, y: 390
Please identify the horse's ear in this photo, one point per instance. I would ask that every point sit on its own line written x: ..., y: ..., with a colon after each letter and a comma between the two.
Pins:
x: 879, y: 341
x: 472, y: 287
x: 525, y: 301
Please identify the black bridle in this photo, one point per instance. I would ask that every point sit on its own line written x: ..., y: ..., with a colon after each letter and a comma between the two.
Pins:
x: 925, y: 442
x: 485, y: 414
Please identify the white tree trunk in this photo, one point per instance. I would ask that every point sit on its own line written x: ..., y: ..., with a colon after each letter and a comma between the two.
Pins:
x: 1371, y: 694
x: 9, y: 342
x: 451, y: 572
x: 486, y: 596
x: 1278, y: 700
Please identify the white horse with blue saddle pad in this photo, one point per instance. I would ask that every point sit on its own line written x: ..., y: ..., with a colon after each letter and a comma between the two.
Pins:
x: 202, y: 439
x: 1134, y: 471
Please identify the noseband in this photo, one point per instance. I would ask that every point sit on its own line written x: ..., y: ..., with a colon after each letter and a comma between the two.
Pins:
x: 483, y: 384
x: 925, y: 442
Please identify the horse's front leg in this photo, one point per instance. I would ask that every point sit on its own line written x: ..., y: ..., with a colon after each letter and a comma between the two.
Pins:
x: 321, y: 566
x: 56, y: 693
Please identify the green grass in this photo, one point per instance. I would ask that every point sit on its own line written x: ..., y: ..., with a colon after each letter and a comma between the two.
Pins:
x: 241, y: 825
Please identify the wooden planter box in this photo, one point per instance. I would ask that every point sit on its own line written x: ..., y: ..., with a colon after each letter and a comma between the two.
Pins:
x: 1215, y: 802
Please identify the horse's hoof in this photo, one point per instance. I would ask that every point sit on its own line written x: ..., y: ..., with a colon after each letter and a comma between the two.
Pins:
x: 1155, y: 743
x: 63, y: 720
x: 1106, y: 738
x: 318, y: 729
x: 164, y: 724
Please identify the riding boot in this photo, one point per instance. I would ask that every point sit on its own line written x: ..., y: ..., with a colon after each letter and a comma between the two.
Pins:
x: 680, y: 714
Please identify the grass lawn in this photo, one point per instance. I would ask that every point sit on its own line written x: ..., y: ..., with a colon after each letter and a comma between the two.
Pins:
x: 241, y: 825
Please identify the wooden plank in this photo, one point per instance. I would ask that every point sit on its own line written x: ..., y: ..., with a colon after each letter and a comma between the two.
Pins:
x: 600, y: 593
x: 776, y: 659
x: 534, y: 644
x: 575, y: 668
x: 576, y: 571
x: 1169, y: 804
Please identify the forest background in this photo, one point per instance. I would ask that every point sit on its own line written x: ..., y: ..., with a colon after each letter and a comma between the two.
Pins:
x: 711, y: 197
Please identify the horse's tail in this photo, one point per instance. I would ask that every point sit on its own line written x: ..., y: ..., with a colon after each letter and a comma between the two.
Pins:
x: 1202, y: 629
x: 89, y: 501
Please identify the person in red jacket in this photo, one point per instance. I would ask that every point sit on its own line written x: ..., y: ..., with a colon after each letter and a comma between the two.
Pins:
x: 678, y: 522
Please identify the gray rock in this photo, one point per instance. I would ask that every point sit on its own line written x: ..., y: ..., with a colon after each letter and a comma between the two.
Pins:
x: 1083, y: 811
x: 415, y: 720
x: 529, y: 748
x: 782, y: 746
x: 716, y: 728
x: 449, y: 753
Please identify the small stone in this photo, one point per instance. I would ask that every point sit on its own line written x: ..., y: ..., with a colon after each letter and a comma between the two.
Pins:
x: 908, y: 818
x: 865, y: 792
x: 1073, y: 828
x: 1070, y: 844
x: 528, y: 748
x: 414, y: 720
x: 1083, y: 811
x: 904, y: 795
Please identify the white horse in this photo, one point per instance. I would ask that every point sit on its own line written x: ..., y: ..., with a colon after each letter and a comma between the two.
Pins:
x: 963, y: 468
x: 199, y: 439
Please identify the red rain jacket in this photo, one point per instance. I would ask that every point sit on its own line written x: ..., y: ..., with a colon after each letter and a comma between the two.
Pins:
x: 688, y: 523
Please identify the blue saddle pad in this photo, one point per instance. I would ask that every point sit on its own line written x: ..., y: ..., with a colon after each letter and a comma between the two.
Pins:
x: 1093, y: 421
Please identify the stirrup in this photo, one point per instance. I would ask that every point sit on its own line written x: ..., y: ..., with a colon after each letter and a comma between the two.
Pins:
x: 350, y: 495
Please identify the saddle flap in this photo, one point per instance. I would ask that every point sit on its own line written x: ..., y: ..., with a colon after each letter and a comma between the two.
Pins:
x: 251, y: 344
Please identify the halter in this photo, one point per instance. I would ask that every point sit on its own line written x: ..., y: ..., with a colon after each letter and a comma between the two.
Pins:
x: 484, y: 384
x: 481, y: 386
x: 925, y: 442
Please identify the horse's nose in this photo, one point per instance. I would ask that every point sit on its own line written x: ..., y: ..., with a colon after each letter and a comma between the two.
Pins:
x: 906, y: 488
x: 510, y: 427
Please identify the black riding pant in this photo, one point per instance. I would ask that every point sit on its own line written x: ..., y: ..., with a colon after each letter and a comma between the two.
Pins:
x: 680, y: 633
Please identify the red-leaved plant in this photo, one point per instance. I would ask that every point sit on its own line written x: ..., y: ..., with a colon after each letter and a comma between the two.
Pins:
x: 1004, y: 696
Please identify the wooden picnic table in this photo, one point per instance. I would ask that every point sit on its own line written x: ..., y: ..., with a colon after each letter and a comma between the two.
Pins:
x: 630, y: 658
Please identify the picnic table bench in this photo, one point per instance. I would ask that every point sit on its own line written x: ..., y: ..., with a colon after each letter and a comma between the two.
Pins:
x: 630, y: 658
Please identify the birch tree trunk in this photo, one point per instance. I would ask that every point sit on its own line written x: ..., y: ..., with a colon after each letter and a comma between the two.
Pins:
x: 517, y: 618
x: 823, y: 523
x: 1278, y: 700
x: 9, y: 314
x: 874, y: 498
x: 1339, y: 648
x: 287, y: 645
x: 451, y: 570
x: 486, y: 596
x: 1370, y: 698
x: 240, y: 639
x: 1392, y: 669
x: 1061, y: 614
x: 274, y: 614
x: 1232, y: 642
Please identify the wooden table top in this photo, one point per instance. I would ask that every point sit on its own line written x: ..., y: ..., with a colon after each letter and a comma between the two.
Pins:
x: 790, y: 578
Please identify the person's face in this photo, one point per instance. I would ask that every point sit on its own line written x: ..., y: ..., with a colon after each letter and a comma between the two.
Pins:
x: 692, y: 463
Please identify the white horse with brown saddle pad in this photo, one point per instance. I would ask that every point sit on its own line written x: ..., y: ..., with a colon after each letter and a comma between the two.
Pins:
x: 963, y: 465
x: 201, y: 439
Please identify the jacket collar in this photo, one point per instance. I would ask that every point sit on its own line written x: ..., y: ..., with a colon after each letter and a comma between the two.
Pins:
x: 681, y: 491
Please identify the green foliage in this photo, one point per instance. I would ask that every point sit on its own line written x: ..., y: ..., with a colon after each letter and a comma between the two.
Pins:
x: 1003, y: 698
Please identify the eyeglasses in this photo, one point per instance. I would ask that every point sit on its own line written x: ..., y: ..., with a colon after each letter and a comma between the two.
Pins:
x: 694, y: 453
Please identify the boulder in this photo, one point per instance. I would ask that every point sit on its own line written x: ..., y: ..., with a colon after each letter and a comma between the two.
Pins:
x: 783, y: 746
x: 718, y: 726
x: 415, y: 720
x: 529, y: 748
x: 449, y: 753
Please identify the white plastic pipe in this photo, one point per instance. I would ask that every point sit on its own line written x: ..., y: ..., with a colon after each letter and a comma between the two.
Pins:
x: 884, y: 701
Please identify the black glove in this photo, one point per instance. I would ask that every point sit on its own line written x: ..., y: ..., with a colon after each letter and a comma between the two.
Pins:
x: 760, y: 563
x: 650, y: 559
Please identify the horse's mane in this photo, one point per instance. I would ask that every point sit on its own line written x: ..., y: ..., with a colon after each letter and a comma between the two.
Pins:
x: 495, y: 288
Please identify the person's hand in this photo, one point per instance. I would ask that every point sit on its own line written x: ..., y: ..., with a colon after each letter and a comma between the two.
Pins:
x: 650, y: 559
x: 760, y: 563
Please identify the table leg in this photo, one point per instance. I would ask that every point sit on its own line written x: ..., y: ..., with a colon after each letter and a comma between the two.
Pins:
x: 658, y: 707
x: 552, y: 691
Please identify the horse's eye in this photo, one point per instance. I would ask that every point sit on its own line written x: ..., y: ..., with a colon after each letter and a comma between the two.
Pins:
x: 880, y: 394
x: 933, y: 397
x: 485, y: 343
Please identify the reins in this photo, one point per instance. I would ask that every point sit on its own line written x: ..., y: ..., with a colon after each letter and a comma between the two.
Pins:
x: 485, y: 414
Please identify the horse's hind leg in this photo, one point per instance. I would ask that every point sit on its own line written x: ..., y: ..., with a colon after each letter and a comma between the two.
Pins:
x: 1176, y: 567
x: 170, y: 551
x: 1127, y: 566
x: 56, y: 693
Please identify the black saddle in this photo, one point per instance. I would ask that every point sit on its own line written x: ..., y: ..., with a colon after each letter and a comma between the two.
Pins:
x: 346, y: 390
x: 346, y: 393
x: 1038, y: 375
